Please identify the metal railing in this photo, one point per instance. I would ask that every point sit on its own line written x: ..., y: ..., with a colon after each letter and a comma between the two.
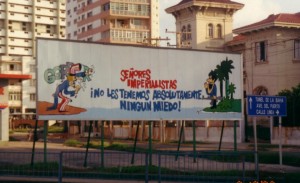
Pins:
x: 213, y: 166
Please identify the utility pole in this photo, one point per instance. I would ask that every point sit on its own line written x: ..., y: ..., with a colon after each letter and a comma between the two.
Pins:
x: 178, y: 38
x: 148, y: 41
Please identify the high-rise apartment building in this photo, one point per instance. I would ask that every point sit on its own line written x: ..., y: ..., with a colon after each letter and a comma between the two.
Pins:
x: 113, y: 21
x: 21, y: 22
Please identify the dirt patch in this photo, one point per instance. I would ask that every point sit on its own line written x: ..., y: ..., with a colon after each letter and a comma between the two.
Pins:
x: 42, y: 109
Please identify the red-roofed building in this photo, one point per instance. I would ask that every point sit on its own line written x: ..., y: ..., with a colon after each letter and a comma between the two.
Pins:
x: 271, y: 52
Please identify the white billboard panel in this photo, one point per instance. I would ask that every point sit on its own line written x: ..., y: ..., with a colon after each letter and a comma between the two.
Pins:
x: 88, y: 81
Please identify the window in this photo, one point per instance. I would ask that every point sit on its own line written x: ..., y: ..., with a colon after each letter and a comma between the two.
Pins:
x: 106, y: 7
x: 32, y: 96
x: 210, y: 30
x: 189, y: 32
x: 11, y: 67
x: 261, y: 51
x: 183, y: 33
x: 89, y: 27
x: 89, y: 14
x: 219, y: 31
x: 297, y: 49
x: 14, y: 95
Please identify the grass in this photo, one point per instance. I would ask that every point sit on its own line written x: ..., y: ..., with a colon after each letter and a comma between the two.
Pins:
x: 73, y: 143
x: 55, y: 129
x: 227, y: 105
x: 96, y: 144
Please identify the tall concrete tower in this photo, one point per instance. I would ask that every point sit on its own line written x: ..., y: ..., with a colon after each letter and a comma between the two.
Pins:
x: 204, y: 24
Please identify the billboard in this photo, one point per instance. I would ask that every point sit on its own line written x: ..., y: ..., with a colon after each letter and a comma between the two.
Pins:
x: 92, y: 81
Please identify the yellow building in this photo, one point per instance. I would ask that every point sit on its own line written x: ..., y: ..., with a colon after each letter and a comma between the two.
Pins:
x: 204, y: 24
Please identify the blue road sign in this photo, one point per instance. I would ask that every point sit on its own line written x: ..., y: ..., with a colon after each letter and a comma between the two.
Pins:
x: 266, y: 105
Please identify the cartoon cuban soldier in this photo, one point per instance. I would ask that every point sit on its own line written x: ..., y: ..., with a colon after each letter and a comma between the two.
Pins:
x: 211, y: 88
x: 63, y: 89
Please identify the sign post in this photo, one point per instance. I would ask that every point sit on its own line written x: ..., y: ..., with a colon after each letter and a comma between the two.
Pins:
x: 274, y: 106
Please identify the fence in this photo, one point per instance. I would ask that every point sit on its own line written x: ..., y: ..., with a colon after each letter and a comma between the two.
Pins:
x: 213, y: 166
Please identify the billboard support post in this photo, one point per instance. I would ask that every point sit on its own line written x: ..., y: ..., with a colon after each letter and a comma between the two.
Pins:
x: 33, y: 145
x: 135, y: 139
x: 102, y: 143
x: 194, y: 140
x: 88, y: 144
x: 150, y: 143
x: 45, y: 140
x: 179, y: 141
x: 221, y: 137
x: 234, y: 135
x: 255, y: 147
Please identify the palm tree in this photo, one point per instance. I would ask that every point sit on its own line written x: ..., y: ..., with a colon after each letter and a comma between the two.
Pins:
x: 231, y: 90
x: 221, y: 77
x: 226, y: 68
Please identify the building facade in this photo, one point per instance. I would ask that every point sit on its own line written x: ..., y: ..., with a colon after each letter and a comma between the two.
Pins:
x: 204, y: 24
x: 271, y: 53
x: 113, y: 21
x: 21, y: 22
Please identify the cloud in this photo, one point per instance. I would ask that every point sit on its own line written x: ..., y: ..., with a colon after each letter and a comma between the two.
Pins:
x: 254, y: 11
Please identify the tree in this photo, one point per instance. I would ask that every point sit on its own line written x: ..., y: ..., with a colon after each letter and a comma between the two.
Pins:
x: 222, y: 72
x: 221, y: 77
x: 226, y: 68
x: 293, y: 106
x: 231, y: 90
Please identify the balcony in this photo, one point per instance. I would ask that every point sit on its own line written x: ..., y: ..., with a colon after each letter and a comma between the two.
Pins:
x: 19, y: 34
x: 2, y: 7
x: 122, y: 13
x: 46, y: 12
x: 2, y: 15
x: 20, y: 42
x: 2, y: 51
x: 20, y: 9
x: 15, y: 103
x: 46, y: 4
x: 14, y: 88
x: 19, y: 17
x: 2, y: 32
x: 23, y: 2
x: 46, y: 35
x: 43, y: 19
x: 20, y: 51
x: 126, y: 1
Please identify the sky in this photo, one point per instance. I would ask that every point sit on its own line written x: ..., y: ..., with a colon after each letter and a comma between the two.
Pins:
x: 253, y: 11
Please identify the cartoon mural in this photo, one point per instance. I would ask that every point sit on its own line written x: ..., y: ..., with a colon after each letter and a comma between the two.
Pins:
x: 227, y: 103
x: 136, y: 84
x: 211, y: 88
x: 73, y: 78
